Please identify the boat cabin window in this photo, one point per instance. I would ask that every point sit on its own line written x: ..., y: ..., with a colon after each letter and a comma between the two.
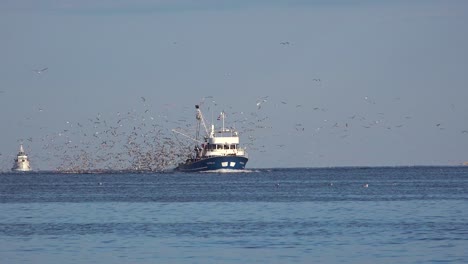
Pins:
x: 226, y: 146
x: 233, y: 146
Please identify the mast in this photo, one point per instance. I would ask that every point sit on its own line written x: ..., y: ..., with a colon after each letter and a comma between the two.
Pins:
x: 21, y: 152
x: 200, y: 120
x: 222, y: 116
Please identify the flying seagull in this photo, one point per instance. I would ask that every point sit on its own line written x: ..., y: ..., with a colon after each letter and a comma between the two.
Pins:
x: 41, y: 70
x: 259, y: 103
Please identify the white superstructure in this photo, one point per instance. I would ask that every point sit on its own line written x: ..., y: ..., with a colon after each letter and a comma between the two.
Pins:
x: 21, y: 161
x: 223, y: 142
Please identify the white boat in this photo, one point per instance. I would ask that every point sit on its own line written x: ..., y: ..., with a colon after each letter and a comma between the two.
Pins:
x: 21, y: 161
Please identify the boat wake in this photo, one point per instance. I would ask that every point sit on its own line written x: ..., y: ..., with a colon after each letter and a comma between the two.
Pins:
x: 227, y: 171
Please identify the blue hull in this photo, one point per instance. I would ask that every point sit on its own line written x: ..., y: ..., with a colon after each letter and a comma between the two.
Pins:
x: 214, y: 163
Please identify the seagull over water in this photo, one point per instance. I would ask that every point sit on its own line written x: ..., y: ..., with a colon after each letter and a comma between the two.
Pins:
x: 41, y: 70
x: 259, y: 103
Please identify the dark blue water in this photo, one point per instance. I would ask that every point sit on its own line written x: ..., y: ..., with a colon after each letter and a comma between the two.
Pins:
x: 405, y: 215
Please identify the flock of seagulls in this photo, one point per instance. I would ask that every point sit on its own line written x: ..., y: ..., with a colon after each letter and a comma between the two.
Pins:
x: 129, y: 141
x: 140, y: 140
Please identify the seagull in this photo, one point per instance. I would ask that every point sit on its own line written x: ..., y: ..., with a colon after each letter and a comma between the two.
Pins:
x: 41, y: 70
x: 368, y: 100
x: 284, y: 43
x: 365, y: 185
x: 259, y: 103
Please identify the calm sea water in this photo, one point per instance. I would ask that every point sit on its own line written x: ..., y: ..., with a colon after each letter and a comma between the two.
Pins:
x: 405, y: 215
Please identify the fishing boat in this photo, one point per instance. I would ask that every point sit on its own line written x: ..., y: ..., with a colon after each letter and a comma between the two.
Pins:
x: 217, y: 150
x: 21, y: 161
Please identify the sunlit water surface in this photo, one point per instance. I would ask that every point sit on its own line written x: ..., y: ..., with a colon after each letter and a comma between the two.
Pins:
x: 404, y: 215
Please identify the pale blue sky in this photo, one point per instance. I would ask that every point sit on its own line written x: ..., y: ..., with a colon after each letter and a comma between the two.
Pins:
x: 390, y: 72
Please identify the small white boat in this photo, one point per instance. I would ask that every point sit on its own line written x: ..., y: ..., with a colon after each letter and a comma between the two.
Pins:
x: 21, y: 161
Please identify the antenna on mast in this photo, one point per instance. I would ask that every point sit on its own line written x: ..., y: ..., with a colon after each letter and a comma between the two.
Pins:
x: 222, y: 116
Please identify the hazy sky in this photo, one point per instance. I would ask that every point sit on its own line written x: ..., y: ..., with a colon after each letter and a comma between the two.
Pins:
x: 346, y: 83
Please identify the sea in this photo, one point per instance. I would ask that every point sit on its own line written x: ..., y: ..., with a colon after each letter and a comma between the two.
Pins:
x: 290, y: 215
